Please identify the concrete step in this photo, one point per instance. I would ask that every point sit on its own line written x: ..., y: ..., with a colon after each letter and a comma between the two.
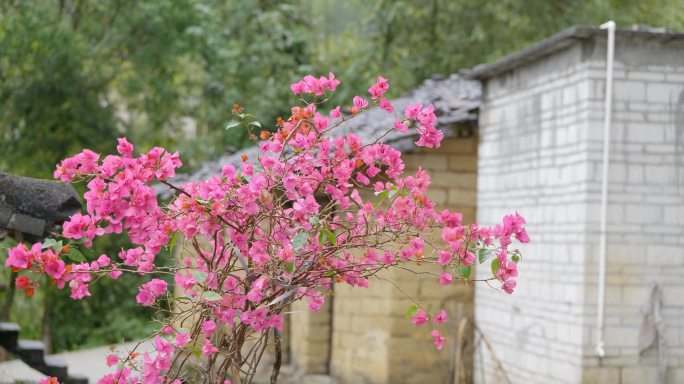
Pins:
x: 32, y: 352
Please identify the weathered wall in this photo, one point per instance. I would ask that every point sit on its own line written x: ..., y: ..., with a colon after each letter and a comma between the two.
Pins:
x: 532, y: 158
x: 646, y: 210
x: 309, y: 338
x: 373, y: 342
x: 540, y: 153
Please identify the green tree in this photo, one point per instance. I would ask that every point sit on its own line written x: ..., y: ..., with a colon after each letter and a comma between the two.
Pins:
x: 409, y: 41
x: 77, y: 73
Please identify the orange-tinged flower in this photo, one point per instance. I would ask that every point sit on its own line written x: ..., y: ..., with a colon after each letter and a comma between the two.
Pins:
x: 23, y: 282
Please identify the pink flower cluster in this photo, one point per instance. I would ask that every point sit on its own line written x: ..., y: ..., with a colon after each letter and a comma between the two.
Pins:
x: 310, y: 84
x: 430, y: 136
x: 148, y: 292
x: 420, y: 318
x: 46, y: 260
x: 513, y: 225
x: 120, y: 197
x: 275, y: 229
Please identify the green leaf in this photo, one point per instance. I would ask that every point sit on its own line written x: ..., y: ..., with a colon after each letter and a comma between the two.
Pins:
x: 255, y: 123
x: 200, y: 276
x: 173, y: 241
x: 329, y: 235
x: 52, y: 243
x: 464, y: 271
x: 211, y: 296
x: 515, y: 258
x: 232, y: 124
x: 48, y: 243
x: 411, y: 311
x: 75, y: 255
x: 495, y: 266
x: 314, y: 220
x: 483, y: 254
x: 299, y: 240
x: 289, y: 267
x: 330, y: 274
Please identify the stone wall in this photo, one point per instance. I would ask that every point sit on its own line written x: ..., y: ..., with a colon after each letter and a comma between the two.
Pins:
x: 372, y: 341
x: 540, y: 153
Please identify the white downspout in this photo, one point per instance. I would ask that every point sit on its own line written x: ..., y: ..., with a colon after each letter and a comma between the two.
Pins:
x: 610, y: 27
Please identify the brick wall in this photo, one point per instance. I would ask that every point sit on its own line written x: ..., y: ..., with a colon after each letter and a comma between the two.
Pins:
x: 540, y: 153
x: 646, y: 210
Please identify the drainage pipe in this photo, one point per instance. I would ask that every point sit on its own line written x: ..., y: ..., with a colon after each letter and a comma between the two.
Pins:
x: 610, y: 28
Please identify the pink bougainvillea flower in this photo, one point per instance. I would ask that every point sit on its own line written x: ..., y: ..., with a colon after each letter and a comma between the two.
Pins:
x: 467, y: 258
x: 400, y: 126
x: 379, y: 88
x: 386, y: 105
x: 182, y: 339
x: 419, y: 318
x: 55, y: 268
x: 359, y: 104
x: 19, y: 256
x: 445, y: 278
x: 335, y: 113
x: 438, y: 339
x: 208, y: 327
x: 440, y: 318
x: 208, y: 348
x: 444, y: 257
x: 412, y: 111
x: 112, y: 360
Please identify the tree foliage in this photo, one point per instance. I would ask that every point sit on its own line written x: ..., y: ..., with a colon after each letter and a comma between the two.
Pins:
x: 410, y: 41
x: 76, y: 73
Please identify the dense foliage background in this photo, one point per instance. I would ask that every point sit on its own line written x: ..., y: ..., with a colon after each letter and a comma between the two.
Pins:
x: 79, y: 73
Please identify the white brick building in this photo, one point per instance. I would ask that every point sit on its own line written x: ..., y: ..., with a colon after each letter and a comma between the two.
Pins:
x: 540, y: 152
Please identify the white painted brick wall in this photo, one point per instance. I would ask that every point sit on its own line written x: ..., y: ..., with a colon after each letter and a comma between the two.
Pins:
x: 540, y: 153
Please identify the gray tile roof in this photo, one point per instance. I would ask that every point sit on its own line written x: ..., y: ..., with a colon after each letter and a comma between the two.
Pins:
x: 32, y: 206
x: 564, y: 39
x: 455, y: 98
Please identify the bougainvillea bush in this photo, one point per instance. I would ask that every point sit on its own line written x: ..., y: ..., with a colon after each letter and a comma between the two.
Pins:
x: 312, y: 209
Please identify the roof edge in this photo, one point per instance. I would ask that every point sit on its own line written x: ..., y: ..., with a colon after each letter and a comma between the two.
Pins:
x: 556, y: 43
